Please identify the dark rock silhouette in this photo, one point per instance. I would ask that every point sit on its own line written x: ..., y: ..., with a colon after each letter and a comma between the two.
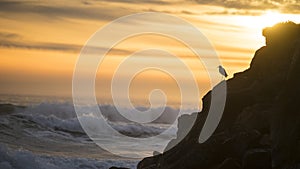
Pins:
x: 118, y: 168
x: 260, y: 127
x: 9, y: 108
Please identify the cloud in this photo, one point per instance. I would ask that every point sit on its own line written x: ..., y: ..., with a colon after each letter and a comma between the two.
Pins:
x: 235, y: 12
x: 6, y: 41
x: 240, y: 4
x: 160, y: 2
x: 12, y: 40
x: 40, y: 46
x: 61, y: 10
x: 57, y: 47
x: 187, y: 12
x: 110, y: 9
x: 8, y: 35
x: 289, y: 6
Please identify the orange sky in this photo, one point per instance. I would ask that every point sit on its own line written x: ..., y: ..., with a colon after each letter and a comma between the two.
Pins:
x: 41, y: 40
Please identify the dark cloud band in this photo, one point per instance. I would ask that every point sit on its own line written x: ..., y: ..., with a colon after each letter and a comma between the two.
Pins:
x: 287, y: 6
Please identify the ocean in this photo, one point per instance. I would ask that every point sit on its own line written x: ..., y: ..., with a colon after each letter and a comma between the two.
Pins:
x: 44, y: 133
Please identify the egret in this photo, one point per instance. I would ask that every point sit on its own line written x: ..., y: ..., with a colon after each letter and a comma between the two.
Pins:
x: 222, y: 71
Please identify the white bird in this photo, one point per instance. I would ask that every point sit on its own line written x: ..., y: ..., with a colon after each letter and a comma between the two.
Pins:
x: 222, y: 71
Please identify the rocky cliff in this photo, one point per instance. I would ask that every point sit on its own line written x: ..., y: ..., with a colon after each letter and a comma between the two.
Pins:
x: 260, y: 127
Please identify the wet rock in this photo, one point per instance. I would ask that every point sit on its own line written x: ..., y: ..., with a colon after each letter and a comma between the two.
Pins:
x: 229, y: 164
x: 118, y: 168
x: 9, y: 108
x: 257, y: 159
x: 260, y: 125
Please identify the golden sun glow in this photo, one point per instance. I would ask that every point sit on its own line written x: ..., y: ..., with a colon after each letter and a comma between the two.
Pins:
x: 269, y: 18
x: 39, y: 48
x: 272, y: 17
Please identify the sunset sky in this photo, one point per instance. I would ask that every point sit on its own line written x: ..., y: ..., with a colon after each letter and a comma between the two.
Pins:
x: 41, y: 40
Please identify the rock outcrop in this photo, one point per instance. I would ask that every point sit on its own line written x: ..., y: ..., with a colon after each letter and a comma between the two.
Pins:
x: 260, y: 127
x: 9, y: 108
